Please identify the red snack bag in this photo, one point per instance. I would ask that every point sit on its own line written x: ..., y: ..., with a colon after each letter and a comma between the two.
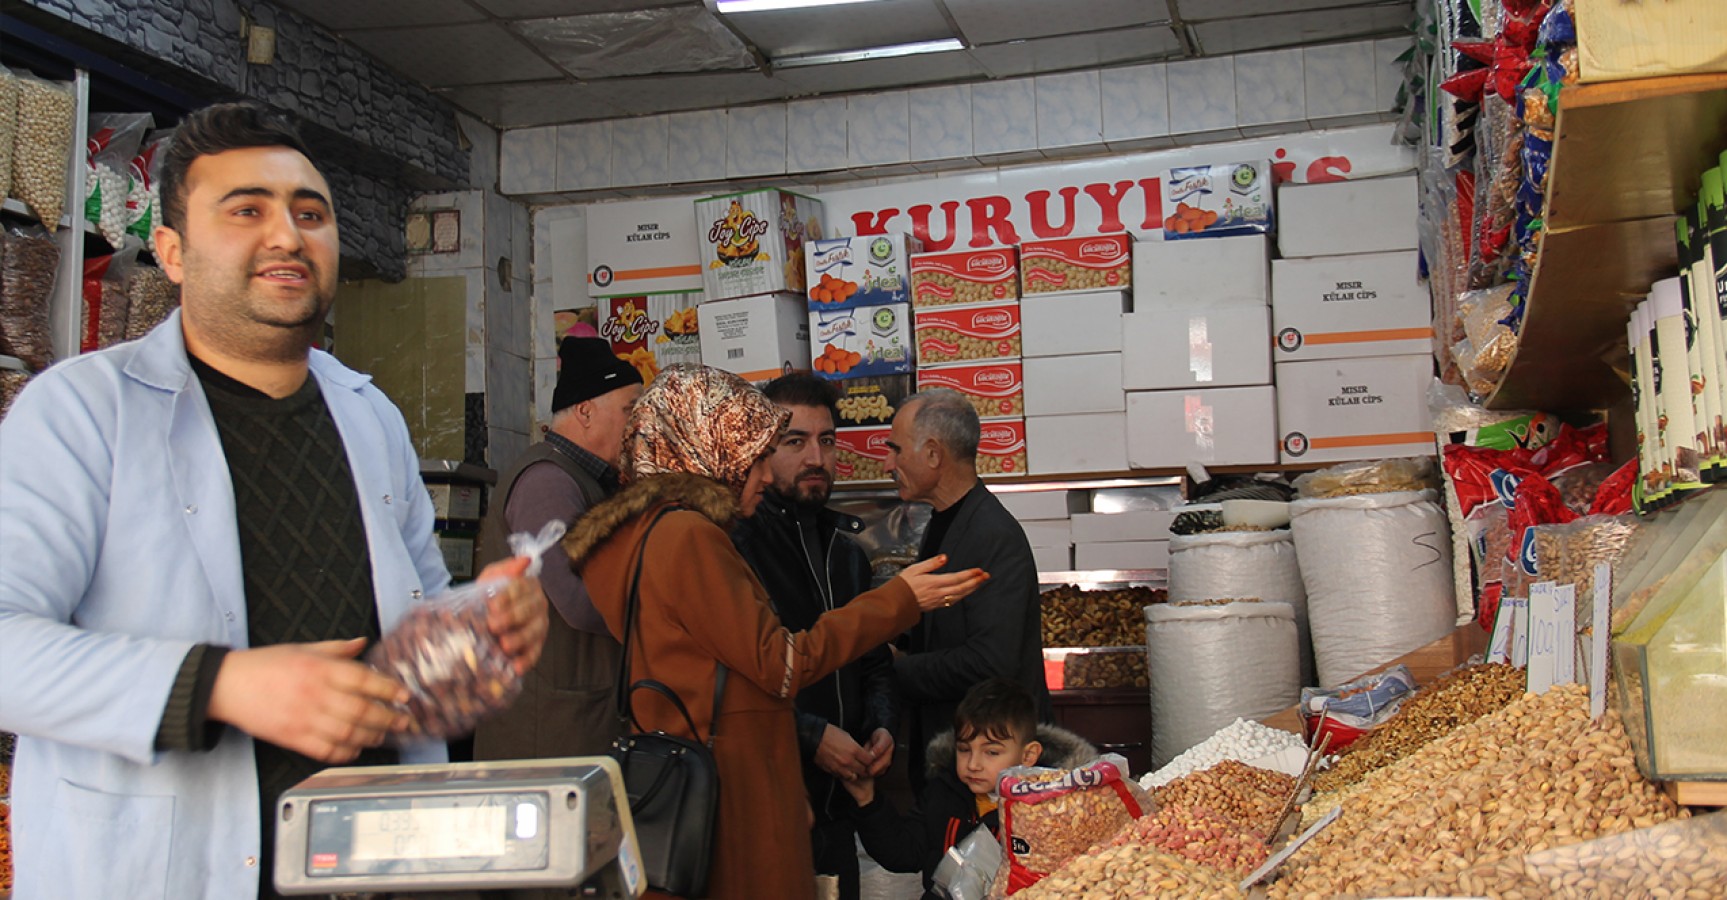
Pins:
x: 1049, y: 816
x: 1613, y: 497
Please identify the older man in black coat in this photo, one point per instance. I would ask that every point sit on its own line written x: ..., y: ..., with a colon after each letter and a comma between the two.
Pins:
x: 932, y: 456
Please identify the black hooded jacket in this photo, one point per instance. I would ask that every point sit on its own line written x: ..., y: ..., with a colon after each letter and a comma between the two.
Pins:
x: 947, y: 809
x: 859, y: 697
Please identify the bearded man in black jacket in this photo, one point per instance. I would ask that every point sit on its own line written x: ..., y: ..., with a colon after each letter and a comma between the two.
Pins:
x: 806, y: 559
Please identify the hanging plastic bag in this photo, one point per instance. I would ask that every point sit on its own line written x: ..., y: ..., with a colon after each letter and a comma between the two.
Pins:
x: 114, y: 141
x: 442, y: 651
x: 105, y: 300
x: 969, y: 868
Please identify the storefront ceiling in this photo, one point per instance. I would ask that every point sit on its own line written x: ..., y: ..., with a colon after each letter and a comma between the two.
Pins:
x: 518, y: 63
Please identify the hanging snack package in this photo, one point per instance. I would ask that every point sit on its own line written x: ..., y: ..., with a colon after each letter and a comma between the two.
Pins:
x: 8, y: 126
x: 105, y: 300
x: 113, y: 143
x: 1486, y: 484
x: 442, y: 651
x: 28, y: 259
x: 143, y: 197
x: 47, y: 119
x: 1049, y: 816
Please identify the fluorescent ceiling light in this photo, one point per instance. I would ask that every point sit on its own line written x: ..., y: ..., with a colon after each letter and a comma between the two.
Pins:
x: 844, y: 56
x: 740, y: 6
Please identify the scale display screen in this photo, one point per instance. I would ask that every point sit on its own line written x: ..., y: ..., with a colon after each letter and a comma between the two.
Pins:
x: 428, y: 834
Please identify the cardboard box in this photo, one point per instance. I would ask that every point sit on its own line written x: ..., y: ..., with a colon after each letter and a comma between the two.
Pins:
x: 990, y: 275
x: 1065, y: 445
x: 1618, y: 40
x: 1228, y: 270
x: 1052, y: 559
x: 1045, y: 504
x: 455, y: 501
x: 996, y: 389
x: 1121, y: 555
x: 652, y: 332
x: 1076, y: 264
x: 1197, y: 347
x: 1048, y: 532
x: 860, y: 454
x: 1142, y: 525
x: 759, y: 338
x: 643, y: 247
x: 753, y: 242
x: 863, y: 340
x: 846, y: 272
x: 967, y: 334
x: 1332, y: 410
x: 1373, y: 215
x: 1073, y: 323
x: 1066, y: 385
x: 871, y: 401
x: 1001, y: 448
x: 1369, y: 304
x: 1215, y: 426
x: 1217, y: 200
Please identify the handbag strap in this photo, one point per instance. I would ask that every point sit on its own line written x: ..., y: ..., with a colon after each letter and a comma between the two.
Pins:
x: 625, y: 690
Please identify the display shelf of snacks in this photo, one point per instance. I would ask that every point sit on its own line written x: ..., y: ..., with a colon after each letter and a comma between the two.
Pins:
x: 1626, y: 155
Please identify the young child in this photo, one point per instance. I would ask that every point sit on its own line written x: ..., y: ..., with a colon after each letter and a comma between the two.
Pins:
x: 995, y: 729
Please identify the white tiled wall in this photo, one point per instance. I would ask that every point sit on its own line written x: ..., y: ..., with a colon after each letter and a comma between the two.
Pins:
x: 878, y: 129
x: 756, y: 140
x: 528, y: 160
x: 697, y: 145
x: 1202, y: 95
x: 1340, y: 81
x: 584, y: 156
x: 1269, y: 90
x: 1003, y: 117
x: 818, y: 143
x: 1135, y: 103
x: 642, y: 150
x: 1388, y: 72
x: 940, y: 122
x: 1069, y: 110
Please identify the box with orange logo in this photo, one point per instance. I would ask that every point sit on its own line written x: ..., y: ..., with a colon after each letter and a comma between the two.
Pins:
x: 753, y: 243
x: 967, y: 334
x: 1001, y: 448
x: 652, y: 332
x: 996, y: 390
x: 862, y: 341
x: 860, y: 454
x: 1070, y: 265
x: 990, y: 275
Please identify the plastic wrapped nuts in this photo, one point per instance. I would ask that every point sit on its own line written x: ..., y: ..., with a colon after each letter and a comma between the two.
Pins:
x: 150, y: 298
x: 454, y: 670
x: 8, y: 127
x: 46, y: 122
x: 27, y: 265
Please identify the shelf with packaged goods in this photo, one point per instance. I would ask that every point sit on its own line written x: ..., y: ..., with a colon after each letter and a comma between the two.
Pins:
x: 1626, y: 156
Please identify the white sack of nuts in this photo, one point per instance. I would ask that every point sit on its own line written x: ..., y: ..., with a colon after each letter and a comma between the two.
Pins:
x: 1242, y: 564
x: 1213, y: 664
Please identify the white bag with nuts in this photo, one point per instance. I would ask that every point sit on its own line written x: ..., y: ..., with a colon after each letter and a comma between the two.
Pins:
x: 1221, y: 564
x: 1211, y: 665
x: 1377, y: 568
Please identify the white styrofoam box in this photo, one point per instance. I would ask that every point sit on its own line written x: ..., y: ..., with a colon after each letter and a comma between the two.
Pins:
x: 1372, y: 215
x: 1139, y: 525
x: 643, y: 247
x: 1069, y: 109
x: 1072, y: 323
x: 1210, y: 272
x: 584, y: 156
x: 816, y: 138
x: 1121, y: 555
x: 758, y: 338
x: 940, y: 122
x: 1215, y: 426
x: 1003, y: 116
x: 1066, y: 385
x: 878, y: 129
x: 1202, y: 95
x: 1052, y: 559
x: 639, y: 151
x: 1366, y: 304
x: 1065, y: 445
x: 528, y: 160
x: 1047, y: 532
x: 1026, y: 505
x: 1135, y: 104
x: 1341, y: 409
x: 1213, y: 346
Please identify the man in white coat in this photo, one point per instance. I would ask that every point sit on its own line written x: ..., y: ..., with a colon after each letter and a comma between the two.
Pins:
x: 199, y: 532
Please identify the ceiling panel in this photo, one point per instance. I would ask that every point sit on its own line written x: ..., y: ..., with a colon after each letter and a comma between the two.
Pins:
x: 536, y: 9
x: 1298, y: 29
x: 675, y: 39
x: 873, y: 74
x: 993, y: 21
x: 796, y: 32
x: 528, y: 105
x: 1078, y: 51
x: 1207, y: 10
x: 456, y: 54
x: 340, y: 15
x: 670, y: 93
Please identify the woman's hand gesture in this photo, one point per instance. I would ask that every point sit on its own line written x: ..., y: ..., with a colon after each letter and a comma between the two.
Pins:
x: 936, y: 590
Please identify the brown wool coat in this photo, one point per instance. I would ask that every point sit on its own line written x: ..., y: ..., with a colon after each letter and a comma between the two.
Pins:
x: 700, y: 602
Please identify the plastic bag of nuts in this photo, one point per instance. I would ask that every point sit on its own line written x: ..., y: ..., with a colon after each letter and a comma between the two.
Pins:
x: 449, y: 660
x: 1379, y: 476
x: 1049, y: 816
x: 8, y: 126
x: 46, y: 121
x: 27, y: 264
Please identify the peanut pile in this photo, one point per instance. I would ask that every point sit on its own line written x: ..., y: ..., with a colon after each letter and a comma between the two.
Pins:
x: 1073, y: 617
x: 1535, y: 775
x: 1200, y: 835
x: 1249, y: 797
x: 1431, y: 713
x: 1132, y: 871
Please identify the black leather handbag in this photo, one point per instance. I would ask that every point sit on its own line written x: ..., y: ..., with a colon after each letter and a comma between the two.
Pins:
x: 672, y: 781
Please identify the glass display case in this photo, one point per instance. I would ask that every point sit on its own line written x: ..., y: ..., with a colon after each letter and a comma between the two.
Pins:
x: 1671, y: 664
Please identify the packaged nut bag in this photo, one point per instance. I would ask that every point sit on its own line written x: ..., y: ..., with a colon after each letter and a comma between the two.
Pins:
x: 1049, y: 816
x: 450, y: 662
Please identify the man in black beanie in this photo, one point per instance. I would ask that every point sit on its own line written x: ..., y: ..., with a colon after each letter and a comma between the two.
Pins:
x: 566, y: 704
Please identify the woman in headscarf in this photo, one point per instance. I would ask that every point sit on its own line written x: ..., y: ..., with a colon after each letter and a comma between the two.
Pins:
x: 696, y: 448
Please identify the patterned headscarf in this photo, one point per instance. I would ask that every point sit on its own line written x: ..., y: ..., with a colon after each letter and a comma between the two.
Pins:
x: 700, y: 421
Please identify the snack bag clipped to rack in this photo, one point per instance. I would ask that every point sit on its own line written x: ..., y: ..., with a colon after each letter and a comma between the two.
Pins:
x: 1354, y: 708
x: 449, y: 660
x: 1049, y: 816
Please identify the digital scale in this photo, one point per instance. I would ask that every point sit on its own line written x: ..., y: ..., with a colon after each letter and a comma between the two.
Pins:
x: 550, y: 823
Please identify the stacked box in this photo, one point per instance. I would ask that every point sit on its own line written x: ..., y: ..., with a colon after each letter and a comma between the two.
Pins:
x: 1369, y: 304
x: 861, y: 341
x: 967, y: 334
x: 871, y: 401
x: 1218, y: 200
x: 653, y: 332
x: 1073, y: 323
x: 753, y: 242
x: 1070, y: 265
x: 844, y: 272
x: 1001, y: 448
x: 996, y: 389
x: 1332, y: 410
x: 964, y: 277
x: 860, y: 454
x: 758, y: 338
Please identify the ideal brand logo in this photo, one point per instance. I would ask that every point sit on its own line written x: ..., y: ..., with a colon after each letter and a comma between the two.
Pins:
x: 988, y: 263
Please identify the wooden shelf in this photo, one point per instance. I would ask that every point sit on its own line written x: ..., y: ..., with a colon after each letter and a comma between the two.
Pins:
x: 1626, y: 156
x: 1697, y: 793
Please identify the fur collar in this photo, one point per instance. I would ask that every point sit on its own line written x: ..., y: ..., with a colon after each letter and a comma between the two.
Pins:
x: 693, y: 492
x: 1062, y: 749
